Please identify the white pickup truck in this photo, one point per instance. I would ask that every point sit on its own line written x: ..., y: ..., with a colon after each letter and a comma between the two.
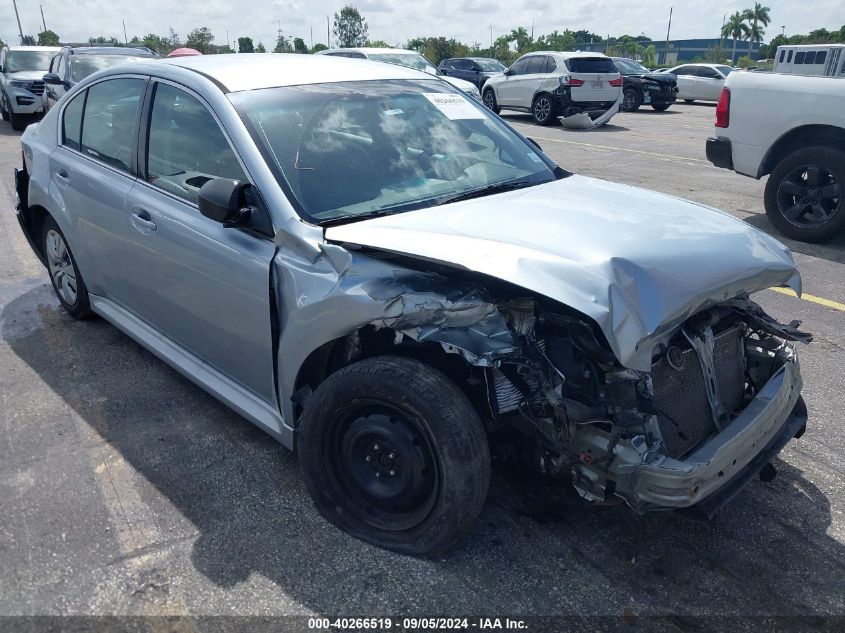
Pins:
x: 791, y: 128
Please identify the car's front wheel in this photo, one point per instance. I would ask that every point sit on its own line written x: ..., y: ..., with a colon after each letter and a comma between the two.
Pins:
x: 803, y: 196
x: 631, y: 100
x: 4, y: 106
x: 543, y: 110
x: 19, y: 121
x: 64, y: 274
x: 489, y: 100
x: 393, y: 453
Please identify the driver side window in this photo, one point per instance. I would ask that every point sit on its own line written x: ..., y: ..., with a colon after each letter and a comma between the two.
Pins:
x: 186, y: 147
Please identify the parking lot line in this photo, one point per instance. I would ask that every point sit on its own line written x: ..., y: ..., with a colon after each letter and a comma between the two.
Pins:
x: 812, y: 298
x: 622, y: 149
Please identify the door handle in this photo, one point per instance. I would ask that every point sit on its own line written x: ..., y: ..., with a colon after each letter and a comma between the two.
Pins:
x: 142, y: 221
x: 62, y: 178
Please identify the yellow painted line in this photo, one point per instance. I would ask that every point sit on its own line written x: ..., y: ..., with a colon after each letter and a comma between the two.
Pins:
x: 812, y: 298
x: 622, y: 149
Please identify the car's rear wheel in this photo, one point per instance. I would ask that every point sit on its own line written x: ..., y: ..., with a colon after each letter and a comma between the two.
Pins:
x: 393, y: 453
x: 803, y: 196
x: 64, y: 274
x: 661, y: 107
x: 19, y: 121
x: 631, y: 100
x: 544, y: 110
x: 489, y: 100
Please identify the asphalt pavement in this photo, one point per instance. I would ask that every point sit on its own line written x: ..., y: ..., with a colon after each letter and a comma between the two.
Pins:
x: 126, y: 490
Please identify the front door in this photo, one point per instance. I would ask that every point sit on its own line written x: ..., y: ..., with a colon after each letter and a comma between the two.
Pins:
x: 202, y: 285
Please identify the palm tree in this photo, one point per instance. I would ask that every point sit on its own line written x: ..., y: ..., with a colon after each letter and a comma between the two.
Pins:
x: 758, y: 16
x: 735, y: 28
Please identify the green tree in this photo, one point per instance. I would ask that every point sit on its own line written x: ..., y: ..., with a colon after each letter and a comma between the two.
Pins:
x: 350, y: 28
x: 28, y: 40
x: 436, y: 49
x: 101, y: 40
x: 378, y: 44
x: 735, y: 28
x: 319, y: 47
x: 759, y: 19
x: 260, y: 48
x: 555, y: 41
x: 582, y: 37
x: 200, y: 39
x: 299, y: 46
x: 245, y: 45
x: 716, y: 55
x: 282, y: 45
x: 48, y: 38
x: 650, y: 56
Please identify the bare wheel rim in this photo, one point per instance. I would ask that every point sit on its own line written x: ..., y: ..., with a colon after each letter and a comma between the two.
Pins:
x: 60, y: 263
x: 488, y: 99
x: 809, y: 196
x: 542, y: 108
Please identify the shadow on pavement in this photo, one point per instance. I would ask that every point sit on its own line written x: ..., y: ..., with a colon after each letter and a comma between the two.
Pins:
x: 535, y: 550
x: 833, y: 251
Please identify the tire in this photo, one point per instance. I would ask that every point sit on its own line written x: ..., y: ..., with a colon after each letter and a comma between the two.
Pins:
x: 631, y: 100
x: 803, y: 196
x: 689, y: 100
x: 391, y: 417
x: 4, y: 106
x: 64, y: 275
x: 544, y: 110
x: 489, y: 99
x: 661, y: 107
x: 19, y: 121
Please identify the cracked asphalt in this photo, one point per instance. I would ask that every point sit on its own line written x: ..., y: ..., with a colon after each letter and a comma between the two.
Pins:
x: 126, y: 490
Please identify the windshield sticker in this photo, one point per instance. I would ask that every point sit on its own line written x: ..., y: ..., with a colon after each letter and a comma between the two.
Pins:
x: 534, y: 157
x: 453, y: 106
x: 393, y: 112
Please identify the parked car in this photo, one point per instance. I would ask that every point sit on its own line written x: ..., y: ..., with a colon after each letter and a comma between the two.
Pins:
x: 75, y: 63
x: 21, y: 87
x: 643, y: 87
x: 476, y: 70
x: 700, y: 82
x: 800, y: 148
x: 826, y: 60
x: 552, y: 84
x: 402, y: 57
x: 375, y: 269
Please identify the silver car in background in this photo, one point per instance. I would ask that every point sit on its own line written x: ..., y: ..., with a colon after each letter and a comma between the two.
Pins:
x: 21, y: 82
x: 381, y: 273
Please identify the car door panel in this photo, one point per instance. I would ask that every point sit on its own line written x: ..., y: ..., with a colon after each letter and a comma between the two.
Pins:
x: 686, y: 82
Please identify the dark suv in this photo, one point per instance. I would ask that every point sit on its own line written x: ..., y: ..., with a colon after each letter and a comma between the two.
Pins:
x: 473, y: 69
x: 72, y: 64
x: 643, y: 87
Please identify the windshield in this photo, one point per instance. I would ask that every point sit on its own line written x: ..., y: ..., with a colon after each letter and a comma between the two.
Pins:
x: 346, y: 150
x: 17, y: 61
x: 490, y: 65
x: 725, y: 70
x: 83, y: 65
x: 411, y: 60
x: 630, y: 67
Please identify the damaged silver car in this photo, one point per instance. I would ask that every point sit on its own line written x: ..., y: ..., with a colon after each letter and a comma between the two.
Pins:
x: 385, y: 276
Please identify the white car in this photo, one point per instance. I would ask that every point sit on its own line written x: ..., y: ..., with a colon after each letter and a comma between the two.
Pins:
x: 402, y: 57
x: 700, y: 82
x: 22, y: 70
x: 550, y: 84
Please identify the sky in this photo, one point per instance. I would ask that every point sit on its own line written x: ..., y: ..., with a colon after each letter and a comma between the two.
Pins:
x: 396, y: 22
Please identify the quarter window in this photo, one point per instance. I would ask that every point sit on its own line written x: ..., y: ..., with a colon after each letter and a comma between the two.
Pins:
x: 108, y: 125
x: 186, y: 147
x: 72, y: 121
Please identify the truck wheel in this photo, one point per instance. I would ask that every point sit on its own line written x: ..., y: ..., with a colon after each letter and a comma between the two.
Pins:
x: 543, y: 109
x: 661, y: 107
x: 64, y: 275
x: 393, y: 453
x: 631, y: 100
x: 803, y: 196
x: 19, y: 121
x: 489, y: 99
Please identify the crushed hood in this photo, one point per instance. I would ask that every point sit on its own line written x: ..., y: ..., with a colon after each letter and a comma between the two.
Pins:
x: 638, y: 263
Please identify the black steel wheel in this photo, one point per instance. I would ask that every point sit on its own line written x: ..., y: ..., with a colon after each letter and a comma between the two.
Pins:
x: 392, y: 452
x: 803, y: 196
x: 543, y: 109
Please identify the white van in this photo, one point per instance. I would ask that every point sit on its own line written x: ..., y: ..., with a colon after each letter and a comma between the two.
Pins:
x: 827, y: 60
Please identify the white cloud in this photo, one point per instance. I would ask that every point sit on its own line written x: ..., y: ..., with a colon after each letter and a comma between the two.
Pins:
x: 395, y: 22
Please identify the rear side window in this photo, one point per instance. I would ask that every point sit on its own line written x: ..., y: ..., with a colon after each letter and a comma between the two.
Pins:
x: 536, y: 65
x: 799, y: 57
x: 592, y: 65
x: 108, y: 125
x: 821, y: 56
x: 72, y: 121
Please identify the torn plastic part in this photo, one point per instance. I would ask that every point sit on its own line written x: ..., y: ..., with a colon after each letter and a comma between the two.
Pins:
x: 582, y: 120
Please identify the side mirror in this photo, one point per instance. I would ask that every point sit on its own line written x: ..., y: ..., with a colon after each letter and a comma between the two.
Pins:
x: 222, y: 200
x: 508, y: 72
x: 53, y: 79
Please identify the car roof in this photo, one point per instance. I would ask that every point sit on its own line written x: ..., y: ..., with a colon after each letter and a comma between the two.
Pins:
x: 111, y: 50
x: 566, y: 54
x: 234, y: 73
x: 48, y: 49
x: 368, y: 50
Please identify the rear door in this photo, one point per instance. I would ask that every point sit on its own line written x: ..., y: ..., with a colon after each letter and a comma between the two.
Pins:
x: 686, y: 81
x: 508, y: 91
x: 591, y: 77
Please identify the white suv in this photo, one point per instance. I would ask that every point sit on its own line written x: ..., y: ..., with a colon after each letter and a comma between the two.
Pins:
x: 22, y: 71
x: 553, y: 84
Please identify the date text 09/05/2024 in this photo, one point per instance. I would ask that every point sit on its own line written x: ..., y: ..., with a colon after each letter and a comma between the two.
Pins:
x: 434, y: 623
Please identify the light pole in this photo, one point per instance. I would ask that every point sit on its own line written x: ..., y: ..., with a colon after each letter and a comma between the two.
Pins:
x: 328, y: 36
x: 227, y: 39
x: 783, y: 31
x: 668, y: 28
x: 125, y: 39
x: 43, y: 21
x: 20, y: 30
